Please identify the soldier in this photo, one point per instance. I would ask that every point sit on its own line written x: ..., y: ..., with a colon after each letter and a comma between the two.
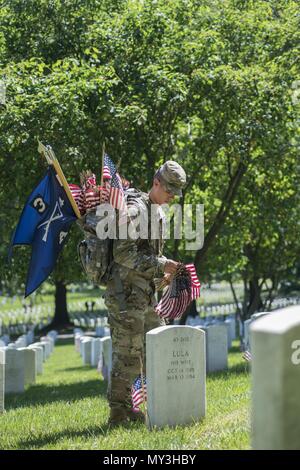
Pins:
x: 130, y: 291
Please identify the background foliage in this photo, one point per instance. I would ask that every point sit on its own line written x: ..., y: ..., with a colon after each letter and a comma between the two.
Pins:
x: 211, y: 84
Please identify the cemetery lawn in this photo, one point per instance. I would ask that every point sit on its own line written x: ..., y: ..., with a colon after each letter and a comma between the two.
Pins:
x: 67, y: 409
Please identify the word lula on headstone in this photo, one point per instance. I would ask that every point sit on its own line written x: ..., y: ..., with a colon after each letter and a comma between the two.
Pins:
x: 275, y: 346
x: 175, y: 371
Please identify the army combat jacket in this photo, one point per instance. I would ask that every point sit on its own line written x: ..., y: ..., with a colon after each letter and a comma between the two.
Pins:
x: 140, y: 260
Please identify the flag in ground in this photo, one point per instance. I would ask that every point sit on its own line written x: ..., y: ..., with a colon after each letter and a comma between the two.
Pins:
x: 138, y: 392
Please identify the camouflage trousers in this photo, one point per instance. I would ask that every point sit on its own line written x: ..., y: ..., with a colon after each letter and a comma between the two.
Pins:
x: 128, y: 333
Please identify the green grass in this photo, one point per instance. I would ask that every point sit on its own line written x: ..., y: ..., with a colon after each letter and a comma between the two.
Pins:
x: 67, y: 409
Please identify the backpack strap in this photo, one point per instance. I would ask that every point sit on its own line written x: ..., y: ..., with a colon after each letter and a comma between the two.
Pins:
x: 120, y: 291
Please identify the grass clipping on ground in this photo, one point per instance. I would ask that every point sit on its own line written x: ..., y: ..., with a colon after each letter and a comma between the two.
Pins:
x: 67, y: 409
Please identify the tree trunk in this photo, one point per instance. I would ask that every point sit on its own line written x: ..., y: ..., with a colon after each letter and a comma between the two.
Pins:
x: 61, y: 316
x: 252, y: 298
x: 223, y: 212
x: 219, y: 221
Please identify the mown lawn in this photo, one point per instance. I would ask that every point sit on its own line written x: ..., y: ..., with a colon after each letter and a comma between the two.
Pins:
x: 67, y: 409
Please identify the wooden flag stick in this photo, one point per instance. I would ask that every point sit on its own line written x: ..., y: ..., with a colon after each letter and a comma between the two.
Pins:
x: 102, y: 168
x: 48, y: 153
x: 143, y: 388
x: 103, y: 153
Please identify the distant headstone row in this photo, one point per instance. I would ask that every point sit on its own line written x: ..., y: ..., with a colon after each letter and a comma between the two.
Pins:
x: 21, y: 361
x: 89, y: 321
x: 225, y: 309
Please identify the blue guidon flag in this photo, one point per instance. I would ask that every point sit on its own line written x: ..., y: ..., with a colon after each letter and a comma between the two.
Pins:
x: 44, y: 224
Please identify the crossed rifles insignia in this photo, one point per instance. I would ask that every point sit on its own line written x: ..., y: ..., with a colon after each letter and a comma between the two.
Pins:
x: 40, y: 205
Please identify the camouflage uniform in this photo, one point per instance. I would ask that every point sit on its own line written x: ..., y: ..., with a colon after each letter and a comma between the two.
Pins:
x: 138, y: 262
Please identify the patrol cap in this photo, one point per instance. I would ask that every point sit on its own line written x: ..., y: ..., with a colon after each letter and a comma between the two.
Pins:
x: 173, y: 176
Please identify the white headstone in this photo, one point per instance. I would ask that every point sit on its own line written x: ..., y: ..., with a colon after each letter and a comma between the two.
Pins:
x: 2, y: 380
x: 39, y: 357
x: 50, y: 341
x: 77, y: 341
x: 232, y: 323
x: 227, y: 323
x: 43, y: 346
x: 29, y: 338
x: 5, y: 339
x: 30, y: 369
x: 216, y: 347
x: 99, y: 331
x: 14, y: 371
x: 247, y: 324
x: 82, y: 339
x: 275, y: 345
x: 107, y: 357
x: 194, y: 321
x: 77, y: 330
x: 175, y: 371
x: 53, y: 334
x: 86, y: 345
x: 47, y: 346
x: 96, y: 351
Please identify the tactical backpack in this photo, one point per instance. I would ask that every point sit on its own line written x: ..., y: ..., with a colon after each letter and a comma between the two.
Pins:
x: 95, y: 254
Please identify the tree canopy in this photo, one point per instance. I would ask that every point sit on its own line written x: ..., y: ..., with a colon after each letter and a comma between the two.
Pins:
x: 211, y: 84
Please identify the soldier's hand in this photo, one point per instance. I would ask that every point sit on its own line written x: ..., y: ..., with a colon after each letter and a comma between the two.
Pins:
x: 168, y: 278
x: 170, y: 266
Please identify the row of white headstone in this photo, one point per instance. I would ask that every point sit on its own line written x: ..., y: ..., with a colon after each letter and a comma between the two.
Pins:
x: 222, y: 309
x: 229, y: 323
x: 176, y: 369
x: 22, y: 361
x: 96, y: 352
x: 217, y: 337
x: 176, y: 375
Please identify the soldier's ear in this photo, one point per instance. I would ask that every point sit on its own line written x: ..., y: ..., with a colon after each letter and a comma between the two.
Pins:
x: 156, y: 182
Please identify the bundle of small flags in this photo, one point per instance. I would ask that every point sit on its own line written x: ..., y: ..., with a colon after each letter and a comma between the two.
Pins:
x: 138, y: 392
x: 184, y: 288
x: 89, y: 195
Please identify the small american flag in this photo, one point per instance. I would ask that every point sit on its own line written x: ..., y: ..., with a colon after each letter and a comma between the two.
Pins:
x: 89, y: 195
x: 77, y: 194
x: 138, y: 392
x: 247, y: 356
x: 113, y: 189
x: 184, y: 288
